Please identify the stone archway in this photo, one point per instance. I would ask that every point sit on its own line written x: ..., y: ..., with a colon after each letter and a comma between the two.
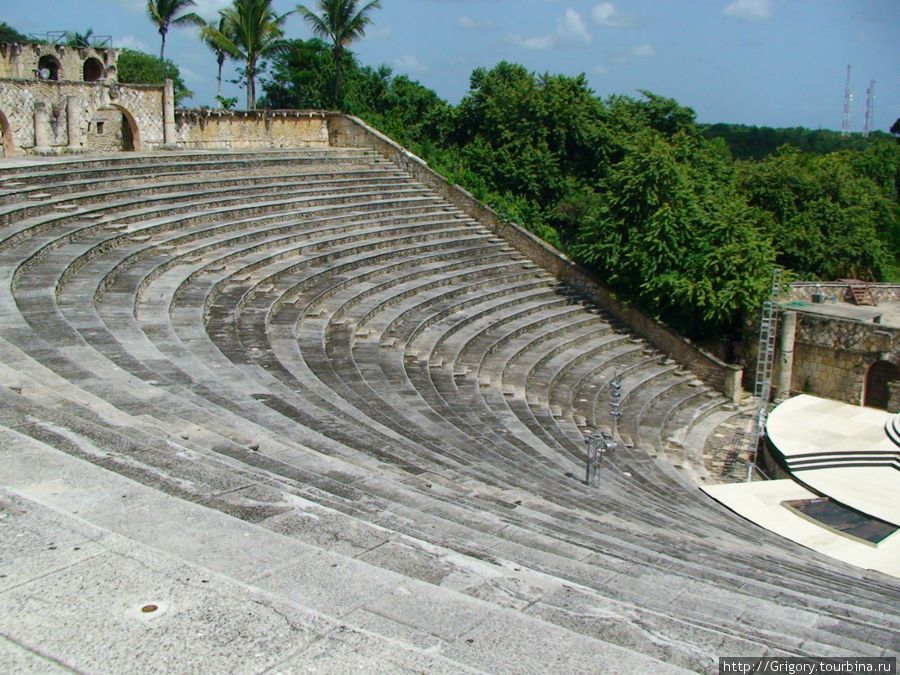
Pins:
x: 48, y: 67
x: 877, y: 393
x: 131, y: 135
x: 92, y: 70
x: 7, y: 149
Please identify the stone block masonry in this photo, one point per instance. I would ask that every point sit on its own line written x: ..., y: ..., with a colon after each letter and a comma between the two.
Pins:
x: 832, y: 357
x: 55, y: 117
x: 207, y: 129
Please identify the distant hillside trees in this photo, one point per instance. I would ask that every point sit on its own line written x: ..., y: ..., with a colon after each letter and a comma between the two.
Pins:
x: 750, y: 142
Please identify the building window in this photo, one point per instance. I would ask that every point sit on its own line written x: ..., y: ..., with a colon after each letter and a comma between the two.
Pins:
x: 99, y: 127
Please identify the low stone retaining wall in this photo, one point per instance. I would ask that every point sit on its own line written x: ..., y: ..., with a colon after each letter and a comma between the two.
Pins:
x: 349, y: 131
x: 804, y: 291
x: 207, y: 129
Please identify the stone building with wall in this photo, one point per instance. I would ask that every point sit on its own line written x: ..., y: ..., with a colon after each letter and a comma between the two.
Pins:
x: 831, y: 348
x: 57, y: 99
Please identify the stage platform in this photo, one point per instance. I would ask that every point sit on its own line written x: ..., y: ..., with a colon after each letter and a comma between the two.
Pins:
x: 844, y: 499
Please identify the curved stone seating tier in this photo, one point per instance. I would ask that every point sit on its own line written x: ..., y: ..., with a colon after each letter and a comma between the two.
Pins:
x: 276, y: 334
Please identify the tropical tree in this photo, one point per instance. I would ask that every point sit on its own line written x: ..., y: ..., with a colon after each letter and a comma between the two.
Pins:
x: 10, y: 34
x: 166, y: 12
x: 220, y: 53
x: 77, y: 39
x: 250, y: 30
x: 139, y: 68
x: 340, y: 22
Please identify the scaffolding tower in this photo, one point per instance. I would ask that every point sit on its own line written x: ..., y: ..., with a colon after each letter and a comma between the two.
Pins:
x: 765, y: 361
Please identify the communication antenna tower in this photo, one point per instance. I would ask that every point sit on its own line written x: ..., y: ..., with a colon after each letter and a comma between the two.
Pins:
x: 848, y: 98
x: 869, y: 122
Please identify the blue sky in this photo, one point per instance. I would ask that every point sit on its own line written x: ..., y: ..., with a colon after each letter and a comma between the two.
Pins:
x: 764, y: 62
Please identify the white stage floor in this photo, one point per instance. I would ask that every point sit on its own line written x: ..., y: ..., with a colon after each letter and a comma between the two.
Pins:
x: 855, y: 463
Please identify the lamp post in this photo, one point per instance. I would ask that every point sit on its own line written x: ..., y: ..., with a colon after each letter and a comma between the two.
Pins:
x: 615, y: 395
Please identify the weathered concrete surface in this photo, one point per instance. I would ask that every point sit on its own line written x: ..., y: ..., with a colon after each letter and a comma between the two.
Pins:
x: 85, y: 554
x: 307, y: 375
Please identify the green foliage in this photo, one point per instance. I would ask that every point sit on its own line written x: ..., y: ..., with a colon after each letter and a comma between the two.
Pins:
x: 10, y: 34
x: 672, y: 233
x: 226, y: 103
x: 341, y: 22
x: 830, y: 216
x: 248, y: 31
x: 749, y: 142
x: 164, y: 13
x: 80, y: 39
x: 632, y: 188
x: 139, y: 68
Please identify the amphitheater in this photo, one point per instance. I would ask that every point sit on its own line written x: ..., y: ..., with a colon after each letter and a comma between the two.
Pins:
x: 296, y: 411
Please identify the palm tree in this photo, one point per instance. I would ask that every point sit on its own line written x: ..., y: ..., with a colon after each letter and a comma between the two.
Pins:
x: 220, y: 53
x: 341, y: 23
x: 249, y: 30
x: 163, y: 13
x: 81, y: 39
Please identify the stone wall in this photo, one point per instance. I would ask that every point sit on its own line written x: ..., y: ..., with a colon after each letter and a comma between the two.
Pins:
x: 250, y: 129
x: 803, y: 291
x: 350, y: 131
x: 40, y: 61
x: 832, y: 356
x: 53, y: 117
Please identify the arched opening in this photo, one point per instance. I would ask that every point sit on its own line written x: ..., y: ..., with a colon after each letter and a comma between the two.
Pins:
x: 92, y: 69
x: 131, y: 137
x: 48, y: 67
x: 6, y: 139
x: 880, y: 375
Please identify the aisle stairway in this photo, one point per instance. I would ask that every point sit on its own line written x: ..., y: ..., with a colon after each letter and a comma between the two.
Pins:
x: 329, y: 356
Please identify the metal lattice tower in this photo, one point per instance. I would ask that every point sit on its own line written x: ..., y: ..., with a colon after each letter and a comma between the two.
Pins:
x: 869, y: 123
x: 765, y: 360
x: 848, y: 98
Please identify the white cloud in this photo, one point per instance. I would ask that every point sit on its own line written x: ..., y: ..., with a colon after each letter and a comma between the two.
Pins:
x: 191, y: 75
x: 571, y: 31
x: 607, y: 15
x: 208, y: 9
x: 131, y: 42
x: 572, y: 27
x: 643, y: 51
x: 410, y: 64
x: 749, y: 10
x: 379, y: 30
x: 477, y: 25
